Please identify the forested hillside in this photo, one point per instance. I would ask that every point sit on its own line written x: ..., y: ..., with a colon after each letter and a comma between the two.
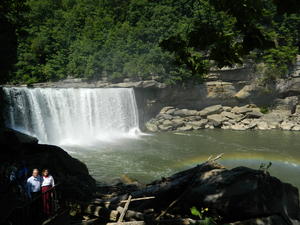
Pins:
x: 177, y: 40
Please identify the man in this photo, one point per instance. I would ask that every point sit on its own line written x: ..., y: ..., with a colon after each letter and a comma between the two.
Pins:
x: 33, y: 187
x: 34, y: 184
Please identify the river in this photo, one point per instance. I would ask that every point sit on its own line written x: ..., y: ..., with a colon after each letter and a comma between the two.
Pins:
x: 150, y: 157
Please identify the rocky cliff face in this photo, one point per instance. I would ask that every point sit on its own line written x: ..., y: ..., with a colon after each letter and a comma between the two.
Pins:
x: 226, y: 87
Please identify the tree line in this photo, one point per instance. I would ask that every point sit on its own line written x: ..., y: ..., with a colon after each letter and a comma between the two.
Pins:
x: 174, y: 40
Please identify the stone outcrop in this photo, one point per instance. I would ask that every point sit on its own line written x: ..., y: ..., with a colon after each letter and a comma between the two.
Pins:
x: 217, y: 116
x: 72, y: 175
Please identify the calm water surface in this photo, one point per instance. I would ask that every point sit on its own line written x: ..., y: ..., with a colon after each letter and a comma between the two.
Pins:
x: 152, y: 156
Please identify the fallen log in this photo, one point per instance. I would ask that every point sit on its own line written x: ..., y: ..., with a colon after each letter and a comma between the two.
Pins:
x: 125, y: 209
x: 162, y: 188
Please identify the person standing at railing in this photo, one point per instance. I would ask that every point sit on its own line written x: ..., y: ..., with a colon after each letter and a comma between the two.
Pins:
x: 34, y: 184
x: 47, y: 193
x: 33, y: 187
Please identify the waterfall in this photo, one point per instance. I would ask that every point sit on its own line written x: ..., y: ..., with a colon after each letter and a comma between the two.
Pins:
x: 72, y: 116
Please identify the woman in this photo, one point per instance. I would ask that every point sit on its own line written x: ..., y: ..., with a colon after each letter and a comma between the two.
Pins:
x: 47, y: 184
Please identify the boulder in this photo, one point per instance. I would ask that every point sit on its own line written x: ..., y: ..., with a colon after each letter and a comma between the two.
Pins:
x: 288, y: 103
x: 297, y: 109
x: 164, y: 116
x: 262, y: 125
x: 198, y: 124
x: 215, y: 109
x: 15, y: 137
x: 167, y: 109
x: 242, y: 193
x: 163, y: 127
x: 287, y: 125
x: 227, y: 108
x: 185, y: 112
x: 239, y: 127
x: 167, y: 123
x: 254, y: 114
x: 216, y: 119
x: 296, y: 128
x: 185, y: 128
x: 178, y: 122
x: 151, y: 127
x: 230, y: 115
x: 241, y: 110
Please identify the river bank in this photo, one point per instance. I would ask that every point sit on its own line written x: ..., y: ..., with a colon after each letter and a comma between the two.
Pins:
x: 245, y: 117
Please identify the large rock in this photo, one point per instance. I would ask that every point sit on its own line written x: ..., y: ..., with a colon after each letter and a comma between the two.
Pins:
x: 215, y: 109
x: 14, y: 137
x: 72, y: 175
x: 185, y: 112
x: 262, y: 125
x: 151, y: 127
x: 178, y: 122
x: 287, y: 125
x: 216, y: 119
x: 241, y: 110
x: 167, y: 109
x: 243, y: 193
x: 254, y: 114
x: 198, y: 124
x: 185, y: 128
x: 230, y: 115
x: 164, y: 127
x: 288, y: 103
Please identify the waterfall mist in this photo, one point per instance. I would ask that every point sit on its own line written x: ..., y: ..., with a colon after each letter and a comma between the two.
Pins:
x: 72, y: 116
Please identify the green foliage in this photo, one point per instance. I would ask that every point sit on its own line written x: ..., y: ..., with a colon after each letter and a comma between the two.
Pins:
x: 264, y: 109
x: 177, y: 40
x: 202, y: 215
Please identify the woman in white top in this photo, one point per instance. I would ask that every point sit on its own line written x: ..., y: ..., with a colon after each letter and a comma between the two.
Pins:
x: 47, y: 190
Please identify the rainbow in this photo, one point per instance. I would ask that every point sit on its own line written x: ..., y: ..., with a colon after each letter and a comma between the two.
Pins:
x: 253, y: 157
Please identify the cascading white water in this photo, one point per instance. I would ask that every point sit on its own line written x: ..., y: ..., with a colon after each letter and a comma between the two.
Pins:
x: 72, y: 116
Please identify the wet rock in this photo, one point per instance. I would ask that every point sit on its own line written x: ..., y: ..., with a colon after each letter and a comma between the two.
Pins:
x: 163, y: 127
x: 263, y: 125
x: 167, y: 123
x: 287, y: 125
x: 238, y: 127
x: 185, y: 112
x: 241, y: 110
x: 296, y: 128
x: 198, y: 124
x: 215, y: 109
x: 167, y: 109
x: 151, y: 127
x: 185, y: 128
x: 178, y: 122
x: 254, y: 114
x: 230, y: 115
x: 216, y: 119
x: 227, y: 108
